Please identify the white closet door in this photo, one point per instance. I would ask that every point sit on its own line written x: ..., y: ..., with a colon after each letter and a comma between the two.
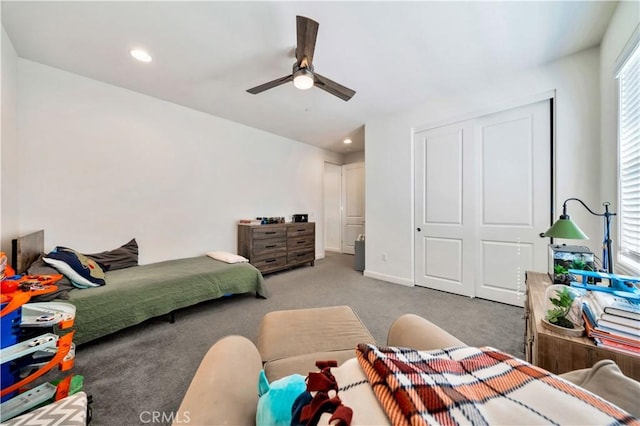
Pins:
x: 513, y: 187
x: 482, y: 197
x: 444, y: 214
x: 353, y: 205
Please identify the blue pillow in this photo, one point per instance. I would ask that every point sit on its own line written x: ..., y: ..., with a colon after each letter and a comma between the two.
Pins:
x: 277, y: 398
x: 81, y: 271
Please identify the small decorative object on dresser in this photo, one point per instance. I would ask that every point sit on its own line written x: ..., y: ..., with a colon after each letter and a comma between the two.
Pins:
x: 563, y: 310
x: 279, y: 246
x: 300, y: 218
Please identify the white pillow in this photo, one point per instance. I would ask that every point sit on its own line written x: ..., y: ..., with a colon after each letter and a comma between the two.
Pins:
x: 227, y: 257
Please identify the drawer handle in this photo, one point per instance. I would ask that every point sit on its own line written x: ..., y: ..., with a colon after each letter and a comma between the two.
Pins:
x: 302, y: 242
x: 270, y: 246
x: 270, y: 260
x: 301, y: 255
x: 270, y: 232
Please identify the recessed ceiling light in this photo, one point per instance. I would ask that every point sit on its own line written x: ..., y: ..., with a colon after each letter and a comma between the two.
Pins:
x: 347, y: 141
x: 141, y: 55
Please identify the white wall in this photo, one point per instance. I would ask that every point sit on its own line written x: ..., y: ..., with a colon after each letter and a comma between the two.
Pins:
x: 625, y: 20
x: 354, y: 157
x: 9, y: 167
x: 106, y: 164
x: 389, y: 160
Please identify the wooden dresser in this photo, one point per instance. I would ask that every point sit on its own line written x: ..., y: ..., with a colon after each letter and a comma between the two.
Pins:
x: 559, y: 353
x: 279, y: 246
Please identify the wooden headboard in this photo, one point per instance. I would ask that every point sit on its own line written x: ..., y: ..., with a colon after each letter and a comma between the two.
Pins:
x: 26, y: 249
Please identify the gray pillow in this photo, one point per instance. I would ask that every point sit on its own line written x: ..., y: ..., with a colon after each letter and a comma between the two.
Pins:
x: 123, y: 257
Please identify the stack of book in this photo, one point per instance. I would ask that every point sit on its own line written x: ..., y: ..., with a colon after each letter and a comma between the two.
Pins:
x: 249, y: 222
x: 613, y: 322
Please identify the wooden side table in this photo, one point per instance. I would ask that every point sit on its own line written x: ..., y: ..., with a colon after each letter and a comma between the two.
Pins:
x: 559, y: 353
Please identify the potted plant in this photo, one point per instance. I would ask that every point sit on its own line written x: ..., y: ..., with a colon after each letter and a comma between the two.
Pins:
x: 563, y: 310
x: 560, y: 273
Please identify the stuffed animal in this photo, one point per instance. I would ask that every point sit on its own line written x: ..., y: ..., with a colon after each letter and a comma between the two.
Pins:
x: 276, y: 399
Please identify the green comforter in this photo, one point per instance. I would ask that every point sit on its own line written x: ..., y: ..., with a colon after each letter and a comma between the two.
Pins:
x: 133, y: 295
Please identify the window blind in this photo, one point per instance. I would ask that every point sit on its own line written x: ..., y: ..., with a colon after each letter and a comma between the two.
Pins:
x: 629, y: 160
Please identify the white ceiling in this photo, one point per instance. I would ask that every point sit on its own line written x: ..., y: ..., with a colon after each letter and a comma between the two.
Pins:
x: 395, y: 55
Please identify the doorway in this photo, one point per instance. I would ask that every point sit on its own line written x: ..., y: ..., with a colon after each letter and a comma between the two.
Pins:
x: 332, y: 207
x: 344, y: 207
x: 352, y: 205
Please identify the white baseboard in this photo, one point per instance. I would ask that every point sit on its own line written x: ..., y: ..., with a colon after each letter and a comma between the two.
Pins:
x: 319, y: 256
x: 389, y: 278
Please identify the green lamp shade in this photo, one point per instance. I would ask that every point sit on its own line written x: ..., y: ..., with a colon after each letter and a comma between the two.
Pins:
x: 565, y: 228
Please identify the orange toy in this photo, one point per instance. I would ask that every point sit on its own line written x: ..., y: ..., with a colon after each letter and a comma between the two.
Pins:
x: 8, y: 286
x: 40, y: 279
x: 24, y: 288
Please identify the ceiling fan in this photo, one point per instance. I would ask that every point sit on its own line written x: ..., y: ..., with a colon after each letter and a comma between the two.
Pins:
x: 303, y: 75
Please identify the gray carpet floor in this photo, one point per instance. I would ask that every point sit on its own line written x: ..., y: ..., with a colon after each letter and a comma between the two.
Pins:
x: 139, y: 375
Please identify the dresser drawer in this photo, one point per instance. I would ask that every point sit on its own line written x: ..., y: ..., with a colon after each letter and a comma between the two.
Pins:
x: 271, y: 263
x: 301, y: 256
x: 269, y: 245
x: 269, y: 254
x: 300, y: 229
x: 261, y: 232
x: 303, y: 242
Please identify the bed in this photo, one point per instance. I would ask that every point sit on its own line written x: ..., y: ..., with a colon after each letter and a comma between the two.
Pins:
x: 135, y: 294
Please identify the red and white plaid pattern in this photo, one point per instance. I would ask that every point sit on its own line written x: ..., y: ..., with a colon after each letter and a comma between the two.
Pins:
x: 466, y: 385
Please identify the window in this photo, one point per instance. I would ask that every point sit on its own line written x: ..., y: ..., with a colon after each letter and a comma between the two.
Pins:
x: 629, y: 160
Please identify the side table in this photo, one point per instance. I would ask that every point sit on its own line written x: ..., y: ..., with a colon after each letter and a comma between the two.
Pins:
x: 559, y: 353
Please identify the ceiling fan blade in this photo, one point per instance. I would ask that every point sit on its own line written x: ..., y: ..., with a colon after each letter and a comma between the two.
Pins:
x: 332, y: 87
x: 307, y: 30
x: 270, y: 85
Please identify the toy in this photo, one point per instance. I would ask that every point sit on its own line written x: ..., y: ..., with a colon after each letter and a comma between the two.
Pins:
x: 619, y: 285
x: 25, y: 357
x: 18, y: 289
x: 276, y: 399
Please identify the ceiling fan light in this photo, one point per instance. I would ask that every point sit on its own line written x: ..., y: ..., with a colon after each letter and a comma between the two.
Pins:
x: 303, y: 79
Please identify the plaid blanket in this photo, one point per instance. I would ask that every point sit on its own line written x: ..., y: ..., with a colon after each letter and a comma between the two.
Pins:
x: 466, y: 385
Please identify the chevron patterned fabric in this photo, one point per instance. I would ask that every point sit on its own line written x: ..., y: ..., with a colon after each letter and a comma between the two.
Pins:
x: 69, y: 411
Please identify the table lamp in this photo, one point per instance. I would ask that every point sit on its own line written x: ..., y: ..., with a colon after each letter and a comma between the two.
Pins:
x: 565, y: 228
